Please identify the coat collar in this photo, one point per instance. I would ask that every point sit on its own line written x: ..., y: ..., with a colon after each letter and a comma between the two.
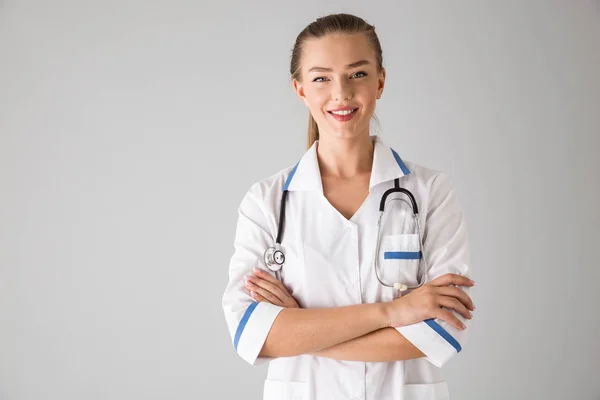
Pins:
x: 306, y: 176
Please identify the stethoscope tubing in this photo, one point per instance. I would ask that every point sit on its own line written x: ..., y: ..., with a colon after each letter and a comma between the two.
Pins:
x: 396, y: 189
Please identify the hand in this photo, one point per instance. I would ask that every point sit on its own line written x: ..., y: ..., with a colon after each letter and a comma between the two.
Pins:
x: 427, y: 301
x: 264, y: 287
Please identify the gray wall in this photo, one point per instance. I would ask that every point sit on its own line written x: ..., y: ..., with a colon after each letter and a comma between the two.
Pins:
x: 130, y: 130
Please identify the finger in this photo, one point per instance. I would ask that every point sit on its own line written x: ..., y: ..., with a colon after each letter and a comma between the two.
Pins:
x: 458, y: 293
x: 269, y: 296
x: 258, y: 297
x: 270, y: 278
x: 452, y: 279
x: 453, y: 303
x: 450, y: 318
x: 266, y: 295
x: 270, y: 287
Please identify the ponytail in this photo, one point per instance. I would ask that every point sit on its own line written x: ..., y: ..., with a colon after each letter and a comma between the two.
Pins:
x: 313, y: 131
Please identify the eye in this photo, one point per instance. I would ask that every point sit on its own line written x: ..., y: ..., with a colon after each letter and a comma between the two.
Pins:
x: 360, y: 72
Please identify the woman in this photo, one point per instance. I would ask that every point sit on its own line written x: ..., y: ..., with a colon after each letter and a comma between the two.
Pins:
x: 329, y: 328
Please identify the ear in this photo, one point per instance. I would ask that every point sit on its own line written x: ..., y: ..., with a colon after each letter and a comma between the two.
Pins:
x: 299, y: 89
x: 380, y: 83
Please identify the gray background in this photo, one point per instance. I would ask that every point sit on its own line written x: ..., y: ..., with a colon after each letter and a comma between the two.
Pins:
x: 130, y: 130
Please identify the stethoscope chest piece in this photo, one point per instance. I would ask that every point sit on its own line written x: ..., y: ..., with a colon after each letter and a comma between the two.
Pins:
x: 274, y: 258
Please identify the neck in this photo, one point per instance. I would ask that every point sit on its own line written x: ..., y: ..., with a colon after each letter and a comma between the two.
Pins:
x: 345, y: 158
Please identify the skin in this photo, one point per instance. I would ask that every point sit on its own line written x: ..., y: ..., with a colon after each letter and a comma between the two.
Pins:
x: 362, y: 332
x: 385, y: 344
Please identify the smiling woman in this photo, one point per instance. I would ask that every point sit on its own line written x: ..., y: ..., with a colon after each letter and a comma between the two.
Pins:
x: 312, y: 302
x: 323, y: 80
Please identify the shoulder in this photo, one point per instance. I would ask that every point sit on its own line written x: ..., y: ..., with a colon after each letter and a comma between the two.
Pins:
x: 436, y: 187
x: 272, y: 184
x: 433, y: 183
x: 266, y: 192
x: 424, y: 175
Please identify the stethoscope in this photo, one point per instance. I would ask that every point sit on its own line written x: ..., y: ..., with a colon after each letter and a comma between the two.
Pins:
x: 274, y: 257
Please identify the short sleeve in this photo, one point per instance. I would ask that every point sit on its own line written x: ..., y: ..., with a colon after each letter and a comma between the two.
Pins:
x: 445, y: 246
x: 248, y: 321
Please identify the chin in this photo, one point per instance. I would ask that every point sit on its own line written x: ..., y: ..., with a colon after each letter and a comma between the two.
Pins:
x: 345, y: 133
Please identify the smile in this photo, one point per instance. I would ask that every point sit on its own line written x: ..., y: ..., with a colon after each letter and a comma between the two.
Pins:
x: 343, y: 115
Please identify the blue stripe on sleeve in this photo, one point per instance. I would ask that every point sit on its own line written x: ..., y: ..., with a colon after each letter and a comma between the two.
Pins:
x: 444, y: 333
x: 243, y: 322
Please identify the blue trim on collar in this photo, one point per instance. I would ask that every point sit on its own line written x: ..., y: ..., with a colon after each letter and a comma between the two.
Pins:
x: 400, y: 163
x: 290, y: 176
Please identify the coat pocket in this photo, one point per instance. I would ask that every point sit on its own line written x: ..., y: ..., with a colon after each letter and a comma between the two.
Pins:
x: 399, y: 258
x: 426, y: 391
x: 285, y: 390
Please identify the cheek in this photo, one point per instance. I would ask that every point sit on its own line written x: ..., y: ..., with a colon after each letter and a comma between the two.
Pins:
x: 368, y: 97
x: 316, y: 100
x: 367, y: 91
x: 369, y: 105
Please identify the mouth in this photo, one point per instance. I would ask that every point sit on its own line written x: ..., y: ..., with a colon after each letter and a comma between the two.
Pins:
x: 343, y: 115
x: 343, y: 112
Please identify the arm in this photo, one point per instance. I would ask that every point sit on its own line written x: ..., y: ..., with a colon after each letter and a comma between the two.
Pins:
x: 298, y: 331
x: 445, y: 241
x: 383, y: 345
x: 446, y: 250
x: 261, y: 331
x: 373, y: 346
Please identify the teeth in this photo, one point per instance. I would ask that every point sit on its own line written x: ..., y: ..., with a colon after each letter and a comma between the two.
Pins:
x: 346, y: 112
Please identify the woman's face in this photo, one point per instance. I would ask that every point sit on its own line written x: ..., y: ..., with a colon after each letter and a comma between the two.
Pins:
x: 340, y: 71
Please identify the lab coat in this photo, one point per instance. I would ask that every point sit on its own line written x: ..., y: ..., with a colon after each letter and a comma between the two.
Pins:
x: 329, y: 263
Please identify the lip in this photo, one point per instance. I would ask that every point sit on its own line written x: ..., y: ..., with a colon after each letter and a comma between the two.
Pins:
x: 343, y: 118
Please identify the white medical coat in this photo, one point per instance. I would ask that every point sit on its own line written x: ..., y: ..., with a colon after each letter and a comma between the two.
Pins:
x: 329, y: 263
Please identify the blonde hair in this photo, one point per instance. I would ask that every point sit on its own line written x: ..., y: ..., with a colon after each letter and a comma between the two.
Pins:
x: 333, y: 23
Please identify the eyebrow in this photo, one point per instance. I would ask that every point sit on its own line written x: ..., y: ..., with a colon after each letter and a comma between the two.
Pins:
x: 349, y: 66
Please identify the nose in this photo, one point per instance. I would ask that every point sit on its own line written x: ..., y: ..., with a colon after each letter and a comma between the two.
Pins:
x: 342, y: 90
